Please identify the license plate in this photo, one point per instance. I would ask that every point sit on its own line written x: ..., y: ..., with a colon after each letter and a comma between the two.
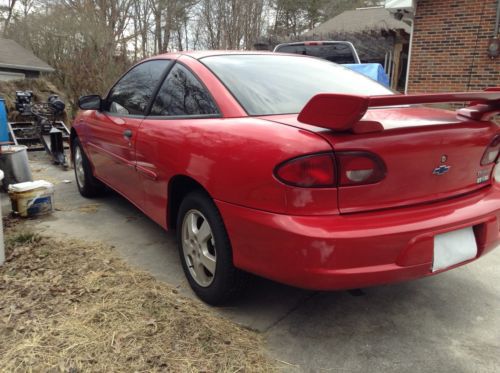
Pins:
x: 454, y: 247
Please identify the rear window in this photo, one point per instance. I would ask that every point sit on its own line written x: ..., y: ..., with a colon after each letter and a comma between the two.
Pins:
x: 333, y: 52
x: 274, y: 84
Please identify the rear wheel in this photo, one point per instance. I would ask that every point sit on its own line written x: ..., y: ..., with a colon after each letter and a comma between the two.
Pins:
x: 88, y: 185
x: 205, y: 251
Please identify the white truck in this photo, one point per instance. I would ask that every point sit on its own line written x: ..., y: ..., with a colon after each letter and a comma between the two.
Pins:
x: 341, y: 52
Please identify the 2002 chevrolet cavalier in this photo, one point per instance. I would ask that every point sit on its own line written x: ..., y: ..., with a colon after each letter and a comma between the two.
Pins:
x: 295, y: 169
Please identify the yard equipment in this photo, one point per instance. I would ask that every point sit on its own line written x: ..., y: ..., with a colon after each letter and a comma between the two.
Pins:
x: 41, y: 130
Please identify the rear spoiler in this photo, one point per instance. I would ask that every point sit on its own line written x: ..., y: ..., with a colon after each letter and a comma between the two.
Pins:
x: 341, y: 112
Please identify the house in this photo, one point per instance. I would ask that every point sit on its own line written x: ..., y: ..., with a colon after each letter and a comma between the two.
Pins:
x: 17, y: 62
x: 453, y: 44
x: 377, y: 36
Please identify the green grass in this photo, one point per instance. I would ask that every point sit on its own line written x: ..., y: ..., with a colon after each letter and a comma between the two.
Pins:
x: 22, y: 238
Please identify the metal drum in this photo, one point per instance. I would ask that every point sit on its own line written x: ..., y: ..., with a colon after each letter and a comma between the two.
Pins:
x: 14, y: 163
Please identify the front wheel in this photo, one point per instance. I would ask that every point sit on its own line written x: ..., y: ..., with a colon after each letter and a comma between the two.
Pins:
x: 205, y: 251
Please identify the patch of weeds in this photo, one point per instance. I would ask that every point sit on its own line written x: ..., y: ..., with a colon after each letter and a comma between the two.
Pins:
x: 22, y: 238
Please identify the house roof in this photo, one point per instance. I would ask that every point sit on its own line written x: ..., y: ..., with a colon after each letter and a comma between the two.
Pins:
x: 360, y: 20
x: 13, y: 56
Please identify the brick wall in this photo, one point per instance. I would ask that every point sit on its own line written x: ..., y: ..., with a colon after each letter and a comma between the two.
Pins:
x: 450, y: 46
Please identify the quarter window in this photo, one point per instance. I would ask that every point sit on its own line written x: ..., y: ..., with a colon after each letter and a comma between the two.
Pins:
x: 182, y: 94
x: 132, y: 94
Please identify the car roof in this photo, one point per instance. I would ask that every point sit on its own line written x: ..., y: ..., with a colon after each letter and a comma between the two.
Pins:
x: 208, y: 53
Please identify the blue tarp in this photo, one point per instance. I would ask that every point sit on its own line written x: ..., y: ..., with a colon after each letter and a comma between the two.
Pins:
x: 371, y: 70
x: 4, y: 129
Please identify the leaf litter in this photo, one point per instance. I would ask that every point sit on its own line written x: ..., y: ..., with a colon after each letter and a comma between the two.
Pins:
x: 71, y: 306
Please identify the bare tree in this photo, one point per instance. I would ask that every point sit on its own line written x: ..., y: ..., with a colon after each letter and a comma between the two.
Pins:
x: 7, y: 13
x: 230, y: 24
x: 81, y: 41
x: 91, y: 42
x: 26, y: 7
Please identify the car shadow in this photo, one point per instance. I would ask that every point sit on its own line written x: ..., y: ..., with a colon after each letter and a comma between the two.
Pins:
x: 266, y: 303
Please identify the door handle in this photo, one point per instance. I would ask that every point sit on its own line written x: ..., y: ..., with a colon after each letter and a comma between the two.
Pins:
x: 127, y: 134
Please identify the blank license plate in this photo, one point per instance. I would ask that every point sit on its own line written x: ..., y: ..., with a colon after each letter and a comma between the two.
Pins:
x: 454, y: 247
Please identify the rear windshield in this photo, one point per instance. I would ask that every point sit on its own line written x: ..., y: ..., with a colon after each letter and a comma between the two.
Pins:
x: 275, y: 84
x: 333, y: 52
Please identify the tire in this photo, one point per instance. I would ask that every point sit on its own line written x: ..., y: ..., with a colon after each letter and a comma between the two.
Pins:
x: 206, y: 255
x: 87, y: 184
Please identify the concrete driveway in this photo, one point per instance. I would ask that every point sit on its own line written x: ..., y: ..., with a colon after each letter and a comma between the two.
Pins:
x: 447, y: 323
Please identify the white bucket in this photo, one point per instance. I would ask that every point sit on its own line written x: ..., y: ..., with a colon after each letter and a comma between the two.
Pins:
x: 32, y: 198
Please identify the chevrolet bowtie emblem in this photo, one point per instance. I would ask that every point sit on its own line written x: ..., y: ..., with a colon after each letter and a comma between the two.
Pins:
x: 441, y: 170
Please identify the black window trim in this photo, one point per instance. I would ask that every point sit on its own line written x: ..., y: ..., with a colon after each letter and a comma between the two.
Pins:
x: 177, y: 117
x: 174, y: 117
x: 170, y: 63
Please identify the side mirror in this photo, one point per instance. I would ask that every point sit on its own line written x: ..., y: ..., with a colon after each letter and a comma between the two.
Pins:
x: 91, y: 102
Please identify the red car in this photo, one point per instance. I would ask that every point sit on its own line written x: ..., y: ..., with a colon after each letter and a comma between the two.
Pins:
x: 295, y: 169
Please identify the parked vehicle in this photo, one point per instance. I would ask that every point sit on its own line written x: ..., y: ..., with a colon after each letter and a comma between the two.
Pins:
x: 294, y: 169
x: 341, y: 52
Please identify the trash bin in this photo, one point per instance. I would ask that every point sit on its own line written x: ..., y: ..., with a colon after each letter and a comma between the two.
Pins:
x: 14, y: 164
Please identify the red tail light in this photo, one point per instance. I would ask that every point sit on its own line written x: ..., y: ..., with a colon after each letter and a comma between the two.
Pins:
x: 309, y: 171
x: 491, y: 154
x: 320, y: 170
x: 358, y: 168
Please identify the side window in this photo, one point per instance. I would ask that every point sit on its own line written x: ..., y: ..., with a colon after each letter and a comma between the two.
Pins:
x: 182, y: 94
x: 131, y: 95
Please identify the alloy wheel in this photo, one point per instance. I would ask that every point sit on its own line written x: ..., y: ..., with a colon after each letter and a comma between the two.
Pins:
x: 198, y: 245
x: 79, y: 171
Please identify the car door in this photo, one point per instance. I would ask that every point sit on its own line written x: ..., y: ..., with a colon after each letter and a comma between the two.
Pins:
x: 182, y: 105
x: 113, y: 130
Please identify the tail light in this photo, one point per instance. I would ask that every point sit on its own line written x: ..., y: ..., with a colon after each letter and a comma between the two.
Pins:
x: 321, y: 170
x: 309, y: 171
x: 496, y: 172
x: 356, y: 168
x: 491, y: 154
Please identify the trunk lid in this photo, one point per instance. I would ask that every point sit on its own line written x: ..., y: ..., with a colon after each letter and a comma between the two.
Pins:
x: 429, y: 154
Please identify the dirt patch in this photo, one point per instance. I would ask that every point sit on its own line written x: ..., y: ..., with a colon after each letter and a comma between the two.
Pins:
x: 89, y: 208
x: 72, y: 306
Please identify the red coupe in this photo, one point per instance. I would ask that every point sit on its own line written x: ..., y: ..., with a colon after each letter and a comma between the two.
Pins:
x: 295, y: 169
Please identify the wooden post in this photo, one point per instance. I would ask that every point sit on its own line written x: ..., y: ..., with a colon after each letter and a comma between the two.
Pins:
x: 398, y: 48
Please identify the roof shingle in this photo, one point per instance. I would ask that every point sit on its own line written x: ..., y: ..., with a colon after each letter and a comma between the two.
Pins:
x: 360, y: 20
x: 14, y: 56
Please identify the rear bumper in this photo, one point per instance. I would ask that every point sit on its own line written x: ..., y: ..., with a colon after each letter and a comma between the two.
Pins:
x: 357, y: 250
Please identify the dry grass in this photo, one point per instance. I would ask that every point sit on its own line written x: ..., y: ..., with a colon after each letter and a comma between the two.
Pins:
x: 69, y: 306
